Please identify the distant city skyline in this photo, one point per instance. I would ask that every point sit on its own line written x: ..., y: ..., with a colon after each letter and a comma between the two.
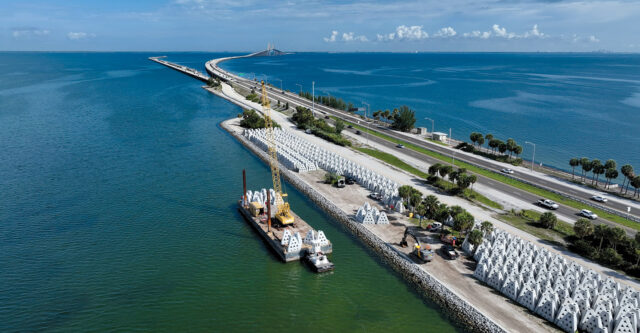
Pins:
x: 338, y: 26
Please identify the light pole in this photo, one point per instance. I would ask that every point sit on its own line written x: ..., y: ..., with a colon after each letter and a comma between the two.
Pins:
x: 432, y: 122
x: 299, y: 85
x: 365, y: 119
x: 533, y: 159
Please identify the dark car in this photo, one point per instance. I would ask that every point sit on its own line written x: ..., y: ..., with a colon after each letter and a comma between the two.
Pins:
x: 350, y: 181
x: 349, y: 126
x: 326, y: 117
x: 449, y: 252
x: 358, y: 132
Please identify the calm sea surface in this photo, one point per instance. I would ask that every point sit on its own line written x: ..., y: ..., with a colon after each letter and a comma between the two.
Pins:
x: 117, y: 208
x: 569, y: 105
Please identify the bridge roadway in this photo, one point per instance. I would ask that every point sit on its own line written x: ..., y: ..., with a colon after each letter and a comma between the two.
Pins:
x: 617, y: 206
x: 184, y: 69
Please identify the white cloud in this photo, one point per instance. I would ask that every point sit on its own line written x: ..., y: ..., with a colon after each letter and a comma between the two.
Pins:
x: 445, y: 32
x: 534, y: 33
x: 582, y: 39
x: 349, y: 37
x: 477, y: 34
x: 502, y: 32
x: 404, y: 32
x: 79, y: 35
x: 593, y: 39
x: 29, y: 32
x: 332, y: 38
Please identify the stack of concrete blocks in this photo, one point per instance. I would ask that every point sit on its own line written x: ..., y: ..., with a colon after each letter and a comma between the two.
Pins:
x: 261, y: 197
x: 300, y: 155
x: 371, y: 215
x: 315, y: 240
x: 292, y: 242
x: 290, y: 149
x: 557, y: 289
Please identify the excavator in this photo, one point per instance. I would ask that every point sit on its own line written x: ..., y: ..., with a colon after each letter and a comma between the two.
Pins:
x: 283, y: 210
x: 423, y: 253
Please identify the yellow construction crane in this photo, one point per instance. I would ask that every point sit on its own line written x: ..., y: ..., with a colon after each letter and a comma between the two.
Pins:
x: 283, y: 213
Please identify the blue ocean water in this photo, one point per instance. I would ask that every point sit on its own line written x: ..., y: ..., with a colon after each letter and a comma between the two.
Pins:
x: 569, y: 105
x: 117, y: 213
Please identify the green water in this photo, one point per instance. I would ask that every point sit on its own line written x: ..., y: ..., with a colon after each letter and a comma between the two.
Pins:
x: 118, y: 213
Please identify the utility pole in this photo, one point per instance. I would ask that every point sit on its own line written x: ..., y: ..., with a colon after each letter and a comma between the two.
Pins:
x: 365, y: 119
x: 313, y: 98
x: 533, y: 159
x: 432, y: 122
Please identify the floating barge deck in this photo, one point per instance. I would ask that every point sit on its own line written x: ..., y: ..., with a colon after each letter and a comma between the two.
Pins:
x: 274, y: 236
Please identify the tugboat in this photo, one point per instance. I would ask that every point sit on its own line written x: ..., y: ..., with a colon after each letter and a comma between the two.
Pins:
x: 319, y: 262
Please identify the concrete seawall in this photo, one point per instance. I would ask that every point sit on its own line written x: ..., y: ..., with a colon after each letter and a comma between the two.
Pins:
x: 428, y: 286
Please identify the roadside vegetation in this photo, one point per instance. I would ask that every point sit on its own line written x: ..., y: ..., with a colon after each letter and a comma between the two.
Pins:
x: 213, y: 82
x: 507, y: 180
x: 251, y: 119
x: 303, y: 118
x: 609, y: 171
x: 330, y: 101
x: 448, y: 187
x: 500, y: 151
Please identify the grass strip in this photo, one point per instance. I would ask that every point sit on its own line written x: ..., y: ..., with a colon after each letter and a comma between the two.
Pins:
x: 526, y: 220
x: 509, y: 181
x: 386, y: 157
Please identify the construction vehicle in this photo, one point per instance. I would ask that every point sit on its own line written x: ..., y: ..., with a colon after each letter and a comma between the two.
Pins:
x: 423, y: 253
x: 283, y: 214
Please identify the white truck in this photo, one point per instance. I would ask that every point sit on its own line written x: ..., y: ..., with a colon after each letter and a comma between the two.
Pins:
x: 548, y: 204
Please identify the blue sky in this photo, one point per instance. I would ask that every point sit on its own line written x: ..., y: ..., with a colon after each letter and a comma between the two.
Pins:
x: 247, y: 25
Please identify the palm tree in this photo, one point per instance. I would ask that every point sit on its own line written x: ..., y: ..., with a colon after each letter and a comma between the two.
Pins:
x: 445, y: 170
x: 486, y: 227
x: 610, y: 164
x: 635, y: 182
x: 611, y: 173
x: 583, y: 228
x: 433, y: 170
x: 431, y: 204
x: 517, y: 150
x: 511, y: 145
x: 502, y: 147
x: 475, y: 238
x: 625, y: 170
x: 600, y: 232
x: 595, y: 166
x: 586, y: 166
x: 615, y: 235
x: 472, y: 179
x: 598, y: 169
x: 574, y: 162
x: 494, y: 143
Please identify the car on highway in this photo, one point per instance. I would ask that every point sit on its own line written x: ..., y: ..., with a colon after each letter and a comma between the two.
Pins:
x: 599, y: 198
x: 449, y: 252
x: 399, y: 146
x: 358, y: 132
x: 588, y: 214
x: 548, y: 203
x: 375, y: 196
x: 507, y: 171
x: 326, y: 117
x: 349, y: 126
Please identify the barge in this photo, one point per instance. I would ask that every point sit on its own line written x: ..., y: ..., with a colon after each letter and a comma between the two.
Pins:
x: 291, y: 242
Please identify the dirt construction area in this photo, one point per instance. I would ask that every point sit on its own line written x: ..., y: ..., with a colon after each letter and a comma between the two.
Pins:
x: 457, y: 274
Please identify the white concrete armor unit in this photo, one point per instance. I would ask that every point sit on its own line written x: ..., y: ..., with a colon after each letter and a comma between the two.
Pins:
x: 301, y: 155
x: 371, y: 215
x: 295, y: 243
x: 286, y: 236
x: 316, y: 241
x: 559, y: 290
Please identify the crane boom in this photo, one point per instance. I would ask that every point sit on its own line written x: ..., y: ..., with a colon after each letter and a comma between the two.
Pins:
x: 283, y: 214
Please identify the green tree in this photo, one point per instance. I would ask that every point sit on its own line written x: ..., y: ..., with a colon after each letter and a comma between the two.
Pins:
x: 502, y: 147
x: 404, y: 192
x: 442, y: 213
x: 586, y: 166
x: 610, y: 257
x: 404, y: 120
x: 475, y: 238
x: 445, y: 170
x: 615, y: 236
x: 511, y: 146
x: 422, y: 211
x: 517, y: 150
x: 626, y: 170
x: 600, y: 232
x: 433, y: 169
x: 488, y: 137
x: 494, y: 144
x: 463, y: 222
x: 431, y: 204
x: 251, y: 119
x: 635, y: 182
x: 548, y: 220
x: 583, y: 228
x: 610, y: 164
x: 486, y: 227
x: 610, y: 174
x: 597, y: 169
x: 574, y: 162
x: 339, y: 126
x: 415, y: 198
